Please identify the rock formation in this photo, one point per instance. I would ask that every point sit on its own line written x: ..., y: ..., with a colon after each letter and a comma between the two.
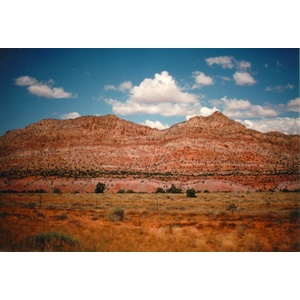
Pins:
x: 199, y: 150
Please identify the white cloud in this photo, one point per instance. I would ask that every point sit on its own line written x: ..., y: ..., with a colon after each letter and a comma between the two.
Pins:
x: 25, y: 81
x: 240, y: 108
x: 164, y: 108
x: 268, y: 89
x: 243, y: 65
x: 243, y: 78
x: 109, y: 87
x: 280, y: 88
x: 285, y: 125
x: 203, y: 111
x: 163, y: 88
x: 156, y: 124
x: 225, y: 78
x: 226, y: 62
x: 201, y: 80
x: 127, y: 85
x: 72, y: 115
x: 123, y: 87
x: 160, y: 95
x: 42, y: 89
x: 294, y: 105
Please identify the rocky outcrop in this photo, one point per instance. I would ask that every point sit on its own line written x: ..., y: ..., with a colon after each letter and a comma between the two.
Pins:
x: 202, y: 148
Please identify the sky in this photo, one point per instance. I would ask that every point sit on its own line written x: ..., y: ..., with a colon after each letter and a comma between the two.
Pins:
x: 258, y: 87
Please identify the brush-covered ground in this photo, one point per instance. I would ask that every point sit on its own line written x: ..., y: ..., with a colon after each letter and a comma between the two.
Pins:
x: 149, y: 222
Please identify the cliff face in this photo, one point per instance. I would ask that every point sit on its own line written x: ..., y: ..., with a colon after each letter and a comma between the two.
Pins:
x: 214, y: 147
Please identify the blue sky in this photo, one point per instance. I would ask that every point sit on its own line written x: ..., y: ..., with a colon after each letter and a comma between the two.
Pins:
x: 156, y: 87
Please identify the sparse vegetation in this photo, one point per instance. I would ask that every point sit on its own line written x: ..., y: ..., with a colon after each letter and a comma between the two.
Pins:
x: 154, y: 222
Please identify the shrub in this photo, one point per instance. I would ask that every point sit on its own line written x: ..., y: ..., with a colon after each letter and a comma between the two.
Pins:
x: 100, y: 187
x: 56, y: 191
x: 129, y: 191
x: 116, y: 214
x: 49, y: 241
x: 294, y: 216
x: 31, y: 205
x: 231, y: 207
x: 160, y: 190
x: 121, y: 191
x: 62, y: 217
x: 191, y: 193
x: 174, y: 190
x: 206, y: 191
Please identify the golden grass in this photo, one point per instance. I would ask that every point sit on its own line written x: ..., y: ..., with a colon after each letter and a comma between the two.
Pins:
x: 154, y: 222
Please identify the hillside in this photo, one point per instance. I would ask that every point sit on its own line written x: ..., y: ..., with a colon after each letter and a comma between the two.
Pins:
x: 110, y: 148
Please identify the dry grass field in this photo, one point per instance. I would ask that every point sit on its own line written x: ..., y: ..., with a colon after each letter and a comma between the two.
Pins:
x: 150, y: 222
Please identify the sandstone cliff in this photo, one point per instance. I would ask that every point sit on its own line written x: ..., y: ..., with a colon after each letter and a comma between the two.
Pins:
x: 203, y: 148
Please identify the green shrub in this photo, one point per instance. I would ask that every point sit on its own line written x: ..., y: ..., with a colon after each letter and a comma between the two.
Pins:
x: 191, y: 193
x: 129, y: 191
x: 206, y: 191
x: 116, y: 214
x: 121, y: 191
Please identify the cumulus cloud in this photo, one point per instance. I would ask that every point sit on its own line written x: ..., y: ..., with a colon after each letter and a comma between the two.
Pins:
x: 203, y: 111
x: 243, y: 78
x: 241, y: 108
x: 25, y: 81
x: 156, y: 124
x: 285, y: 125
x: 72, y: 115
x: 158, y: 95
x: 201, y: 80
x: 162, y: 88
x: 294, y: 105
x: 42, y: 89
x: 165, y: 109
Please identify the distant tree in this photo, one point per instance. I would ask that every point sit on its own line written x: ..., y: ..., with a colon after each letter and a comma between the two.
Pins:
x: 100, y: 187
x: 160, y: 190
x: 191, y: 193
x: 174, y: 190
